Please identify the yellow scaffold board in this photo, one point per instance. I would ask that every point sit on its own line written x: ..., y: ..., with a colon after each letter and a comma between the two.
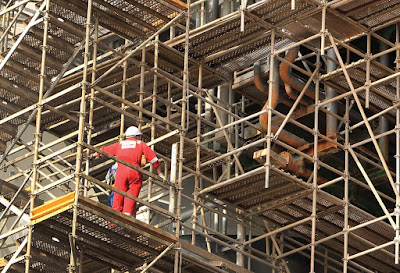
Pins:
x: 55, y: 205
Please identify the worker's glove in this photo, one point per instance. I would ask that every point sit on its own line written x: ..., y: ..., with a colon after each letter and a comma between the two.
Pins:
x: 162, y: 176
x: 93, y: 156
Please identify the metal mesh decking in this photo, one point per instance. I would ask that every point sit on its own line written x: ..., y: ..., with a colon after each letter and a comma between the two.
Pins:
x: 289, y: 199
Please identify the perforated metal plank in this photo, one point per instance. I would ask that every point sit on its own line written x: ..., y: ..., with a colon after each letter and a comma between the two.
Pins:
x: 21, y: 72
x: 360, y: 240
x: 67, y: 27
x: 379, y: 98
x: 110, y: 239
x: 226, y: 48
x: 129, y: 19
x: 370, y: 13
x: 104, y: 234
x: 357, y: 16
x: 289, y: 199
x: 170, y: 61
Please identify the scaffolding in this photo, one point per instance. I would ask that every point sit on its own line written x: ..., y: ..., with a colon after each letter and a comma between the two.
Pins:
x: 253, y: 175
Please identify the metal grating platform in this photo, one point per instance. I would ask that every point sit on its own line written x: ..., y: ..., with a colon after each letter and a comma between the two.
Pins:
x: 8, y: 190
x: 134, y: 20
x: 222, y: 45
x: 102, y: 235
x: 109, y: 239
x: 289, y: 199
x: 170, y: 61
x: 19, y: 79
x: 381, y: 96
x: 370, y: 13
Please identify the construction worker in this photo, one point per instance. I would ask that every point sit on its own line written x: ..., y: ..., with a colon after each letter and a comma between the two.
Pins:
x: 126, y: 179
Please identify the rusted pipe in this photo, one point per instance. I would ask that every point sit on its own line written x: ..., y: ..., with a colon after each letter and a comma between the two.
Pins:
x: 293, y: 95
x: 287, y: 137
x: 290, y: 79
x: 284, y: 136
x: 296, y: 165
x: 258, y: 81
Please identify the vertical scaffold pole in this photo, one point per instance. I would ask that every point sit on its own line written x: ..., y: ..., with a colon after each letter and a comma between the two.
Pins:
x: 182, y: 137
x: 397, y: 209
x: 91, y: 101
x: 368, y: 70
x: 315, y: 173
x: 153, y: 119
x: 269, y: 130
x: 38, y: 135
x: 81, y: 133
x: 202, y: 13
x: 141, y: 86
x: 123, y: 96
x: 315, y: 156
x: 3, y: 23
x: 346, y: 187
x: 198, y: 154
x: 323, y: 28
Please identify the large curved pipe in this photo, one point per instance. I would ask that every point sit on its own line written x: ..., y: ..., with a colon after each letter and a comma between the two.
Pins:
x: 293, y: 95
x: 285, y: 136
x: 294, y: 163
x: 290, y: 79
x: 258, y: 81
x: 293, y: 83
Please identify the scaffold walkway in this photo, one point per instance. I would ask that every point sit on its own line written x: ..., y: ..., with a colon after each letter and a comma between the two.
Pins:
x: 107, y: 239
x: 288, y: 204
x: 137, y: 76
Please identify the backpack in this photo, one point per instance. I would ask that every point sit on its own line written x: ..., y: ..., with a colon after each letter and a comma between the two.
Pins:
x: 110, y: 180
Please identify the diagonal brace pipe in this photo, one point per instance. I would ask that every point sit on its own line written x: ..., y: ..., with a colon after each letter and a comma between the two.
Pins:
x: 158, y: 257
x: 371, y: 185
x: 310, y: 80
x: 47, y: 94
x: 362, y: 112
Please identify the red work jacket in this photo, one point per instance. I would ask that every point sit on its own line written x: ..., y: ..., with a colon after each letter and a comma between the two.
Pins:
x: 131, y: 150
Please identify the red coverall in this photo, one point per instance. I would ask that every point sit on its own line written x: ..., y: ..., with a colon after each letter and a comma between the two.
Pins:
x: 127, y: 179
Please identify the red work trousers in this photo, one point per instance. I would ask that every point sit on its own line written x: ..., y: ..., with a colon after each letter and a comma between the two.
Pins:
x: 129, y: 181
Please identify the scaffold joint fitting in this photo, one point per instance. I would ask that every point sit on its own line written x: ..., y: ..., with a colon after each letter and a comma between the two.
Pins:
x: 37, y: 135
x: 45, y: 47
x: 87, y: 84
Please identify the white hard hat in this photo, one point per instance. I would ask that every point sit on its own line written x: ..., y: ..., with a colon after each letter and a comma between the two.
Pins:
x: 132, y: 131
